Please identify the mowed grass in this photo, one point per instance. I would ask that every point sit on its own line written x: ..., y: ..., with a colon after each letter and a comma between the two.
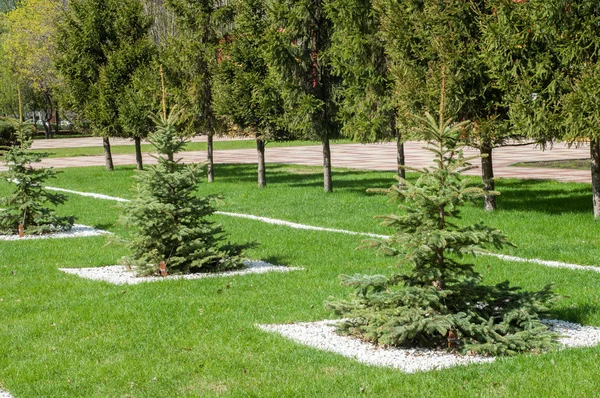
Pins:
x: 190, y: 146
x: 66, y: 336
x: 576, y: 164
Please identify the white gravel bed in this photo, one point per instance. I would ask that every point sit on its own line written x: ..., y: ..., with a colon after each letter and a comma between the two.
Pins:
x: 77, y: 231
x: 120, y: 275
x: 573, y: 334
x: 5, y: 394
x: 322, y: 335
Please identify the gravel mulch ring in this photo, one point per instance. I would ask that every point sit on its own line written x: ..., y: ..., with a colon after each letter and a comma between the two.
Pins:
x: 77, y: 231
x: 119, y: 275
x: 322, y: 335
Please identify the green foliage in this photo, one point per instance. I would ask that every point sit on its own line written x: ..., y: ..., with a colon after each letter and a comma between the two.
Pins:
x: 366, y: 98
x: 190, y: 59
x: 169, y: 219
x: 8, y: 132
x: 26, y: 205
x: 297, y: 42
x: 100, y: 46
x: 442, y: 302
x: 245, y: 93
x: 428, y: 39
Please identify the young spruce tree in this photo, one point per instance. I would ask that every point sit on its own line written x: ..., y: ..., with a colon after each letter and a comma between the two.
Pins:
x: 441, y: 302
x: 26, y: 207
x: 169, y: 218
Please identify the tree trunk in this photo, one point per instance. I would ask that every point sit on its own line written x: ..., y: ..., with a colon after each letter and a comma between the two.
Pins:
x: 107, y: 154
x: 327, y: 182
x: 487, y: 175
x: 401, y: 161
x: 138, y: 153
x: 47, y: 128
x: 260, y: 148
x: 57, y: 125
x: 595, y: 155
x: 209, y: 157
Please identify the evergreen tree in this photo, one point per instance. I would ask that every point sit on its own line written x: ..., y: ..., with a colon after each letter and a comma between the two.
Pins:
x: 545, y: 55
x: 441, y: 301
x: 190, y: 58
x: 101, y: 44
x: 245, y: 93
x: 137, y: 102
x: 366, y: 97
x: 422, y: 37
x: 26, y: 207
x: 169, y: 219
x: 298, y: 41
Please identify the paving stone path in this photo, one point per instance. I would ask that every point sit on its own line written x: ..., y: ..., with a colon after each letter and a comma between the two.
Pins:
x: 381, y: 156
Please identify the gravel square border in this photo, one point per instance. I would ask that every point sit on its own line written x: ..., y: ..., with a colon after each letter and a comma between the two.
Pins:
x: 321, y: 335
x: 77, y: 231
x: 5, y: 394
x: 120, y: 275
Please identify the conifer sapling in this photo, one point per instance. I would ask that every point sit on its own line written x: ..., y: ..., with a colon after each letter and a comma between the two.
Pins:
x: 25, y: 210
x: 169, y: 218
x: 441, y: 302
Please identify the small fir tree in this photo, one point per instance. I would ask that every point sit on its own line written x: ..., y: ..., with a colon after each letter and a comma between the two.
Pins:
x: 169, y: 218
x: 441, y: 301
x: 26, y: 206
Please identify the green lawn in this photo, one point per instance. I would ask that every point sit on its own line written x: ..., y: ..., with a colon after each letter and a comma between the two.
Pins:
x: 190, y: 146
x: 576, y: 164
x: 65, y: 336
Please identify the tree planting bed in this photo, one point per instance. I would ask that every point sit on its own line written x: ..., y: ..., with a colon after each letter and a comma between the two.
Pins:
x: 120, y: 275
x: 77, y: 231
x: 322, y: 335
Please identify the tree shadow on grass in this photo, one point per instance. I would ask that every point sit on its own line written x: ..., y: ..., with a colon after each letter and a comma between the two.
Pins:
x: 544, y: 197
x: 355, y: 181
x: 577, y: 313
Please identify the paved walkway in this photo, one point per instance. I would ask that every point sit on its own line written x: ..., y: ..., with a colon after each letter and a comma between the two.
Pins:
x: 380, y: 156
x: 84, y: 142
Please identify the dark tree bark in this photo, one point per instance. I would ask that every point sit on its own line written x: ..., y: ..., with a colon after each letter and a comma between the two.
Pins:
x: 107, y: 154
x: 487, y: 175
x: 327, y: 182
x: 138, y: 153
x: 260, y: 148
x: 209, y: 157
x: 595, y: 155
x: 401, y: 160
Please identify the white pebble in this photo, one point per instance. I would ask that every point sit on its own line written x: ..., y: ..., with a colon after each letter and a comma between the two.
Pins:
x: 77, y: 231
x: 120, y: 275
x: 322, y: 335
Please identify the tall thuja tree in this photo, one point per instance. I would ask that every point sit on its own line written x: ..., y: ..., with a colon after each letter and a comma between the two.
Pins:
x: 545, y: 55
x: 190, y: 59
x: 441, y: 302
x: 299, y: 38
x: 246, y: 94
x: 138, y: 100
x: 100, y: 46
x: 424, y: 37
x: 169, y: 218
x: 366, y: 98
